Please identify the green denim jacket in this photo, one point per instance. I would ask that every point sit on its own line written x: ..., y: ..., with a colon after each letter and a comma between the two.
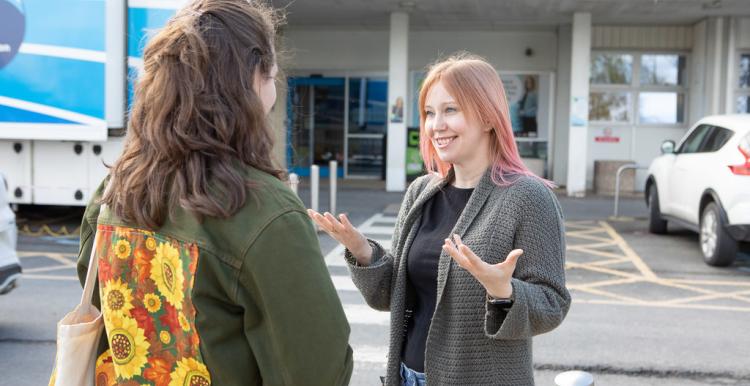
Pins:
x: 240, y: 301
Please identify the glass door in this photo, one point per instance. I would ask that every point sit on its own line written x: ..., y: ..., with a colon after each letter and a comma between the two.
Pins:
x: 315, y: 109
x: 367, y: 108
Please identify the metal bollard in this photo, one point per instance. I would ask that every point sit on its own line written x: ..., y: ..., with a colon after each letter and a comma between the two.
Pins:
x: 617, y: 183
x: 294, y: 183
x: 314, y: 187
x: 574, y: 378
x: 333, y: 166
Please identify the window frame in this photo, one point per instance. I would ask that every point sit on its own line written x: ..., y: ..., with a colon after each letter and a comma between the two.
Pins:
x: 634, y: 89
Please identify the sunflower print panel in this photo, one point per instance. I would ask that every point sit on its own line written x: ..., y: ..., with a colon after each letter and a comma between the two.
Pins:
x: 145, y: 283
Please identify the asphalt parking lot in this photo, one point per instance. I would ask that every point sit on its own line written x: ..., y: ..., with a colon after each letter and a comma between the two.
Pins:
x: 646, y: 309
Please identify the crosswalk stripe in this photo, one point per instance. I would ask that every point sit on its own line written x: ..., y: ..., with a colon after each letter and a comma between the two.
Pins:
x: 360, y: 316
x: 378, y: 230
x: 369, y: 354
x: 363, y: 314
x: 343, y: 283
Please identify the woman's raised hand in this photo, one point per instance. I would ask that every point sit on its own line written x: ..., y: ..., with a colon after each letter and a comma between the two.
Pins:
x: 344, y: 232
x: 494, y: 277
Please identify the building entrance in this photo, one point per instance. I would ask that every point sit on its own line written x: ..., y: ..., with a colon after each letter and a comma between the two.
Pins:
x: 337, y: 118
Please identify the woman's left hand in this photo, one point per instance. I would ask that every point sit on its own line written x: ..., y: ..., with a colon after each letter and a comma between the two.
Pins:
x: 494, y: 277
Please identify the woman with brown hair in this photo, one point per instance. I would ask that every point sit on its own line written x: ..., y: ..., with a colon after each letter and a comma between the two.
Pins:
x: 476, y: 266
x: 198, y: 279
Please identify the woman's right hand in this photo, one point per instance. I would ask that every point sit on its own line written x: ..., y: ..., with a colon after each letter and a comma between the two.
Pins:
x: 344, y: 232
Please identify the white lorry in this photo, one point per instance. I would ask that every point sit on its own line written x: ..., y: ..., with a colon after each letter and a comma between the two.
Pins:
x: 66, y: 70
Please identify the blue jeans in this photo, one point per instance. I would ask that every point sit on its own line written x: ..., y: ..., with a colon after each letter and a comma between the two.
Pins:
x: 411, y: 377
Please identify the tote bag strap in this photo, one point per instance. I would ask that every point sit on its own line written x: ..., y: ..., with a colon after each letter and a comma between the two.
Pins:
x: 91, y: 275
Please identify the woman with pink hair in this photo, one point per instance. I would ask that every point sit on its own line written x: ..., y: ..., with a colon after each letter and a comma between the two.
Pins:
x: 476, y: 266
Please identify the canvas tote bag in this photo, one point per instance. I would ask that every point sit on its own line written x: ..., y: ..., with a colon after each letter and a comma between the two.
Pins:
x: 78, y: 335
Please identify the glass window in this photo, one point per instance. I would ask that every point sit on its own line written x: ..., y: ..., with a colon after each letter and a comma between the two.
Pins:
x: 744, y: 72
x: 661, y: 107
x: 367, y: 105
x: 611, y: 68
x: 716, y: 139
x: 609, y: 106
x: 693, y: 142
x: 662, y: 70
x: 366, y: 156
x: 743, y: 104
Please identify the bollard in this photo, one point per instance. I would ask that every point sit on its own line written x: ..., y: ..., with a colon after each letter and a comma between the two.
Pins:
x: 574, y: 378
x: 294, y: 183
x: 314, y: 186
x: 617, y: 184
x: 332, y: 166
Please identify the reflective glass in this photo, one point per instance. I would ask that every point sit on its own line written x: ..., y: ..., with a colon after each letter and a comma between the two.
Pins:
x: 366, y: 157
x: 743, y: 104
x: 660, y: 107
x: 611, y: 68
x: 609, y: 106
x: 662, y: 70
x: 367, y: 105
x: 744, y: 71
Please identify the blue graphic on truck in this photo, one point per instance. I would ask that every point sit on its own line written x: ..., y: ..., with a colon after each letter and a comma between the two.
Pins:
x: 51, y: 66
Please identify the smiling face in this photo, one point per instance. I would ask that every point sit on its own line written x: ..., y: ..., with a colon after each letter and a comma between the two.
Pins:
x: 456, y: 139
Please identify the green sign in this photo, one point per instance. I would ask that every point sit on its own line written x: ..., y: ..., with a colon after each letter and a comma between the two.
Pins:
x: 414, y: 164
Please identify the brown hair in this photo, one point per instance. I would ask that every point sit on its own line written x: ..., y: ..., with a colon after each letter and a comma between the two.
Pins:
x: 196, y: 122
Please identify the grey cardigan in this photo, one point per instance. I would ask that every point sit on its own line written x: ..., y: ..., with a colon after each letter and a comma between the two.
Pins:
x: 469, y: 343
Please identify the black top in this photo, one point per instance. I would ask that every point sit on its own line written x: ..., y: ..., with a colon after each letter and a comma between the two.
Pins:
x: 439, y: 216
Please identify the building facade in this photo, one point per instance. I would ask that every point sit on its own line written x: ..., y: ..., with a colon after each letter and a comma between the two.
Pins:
x: 586, y: 82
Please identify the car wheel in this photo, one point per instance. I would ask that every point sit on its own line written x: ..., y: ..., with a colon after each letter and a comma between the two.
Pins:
x: 656, y: 224
x: 718, y: 247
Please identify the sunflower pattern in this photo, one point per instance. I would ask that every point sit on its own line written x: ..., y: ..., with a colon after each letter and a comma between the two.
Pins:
x: 149, y: 317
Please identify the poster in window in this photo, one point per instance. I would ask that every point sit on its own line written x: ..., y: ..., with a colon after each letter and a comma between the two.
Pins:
x: 522, y: 92
x: 397, y: 111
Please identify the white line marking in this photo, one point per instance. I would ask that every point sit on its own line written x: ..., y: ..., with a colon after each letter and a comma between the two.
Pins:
x: 343, y: 283
x: 53, y: 111
x: 377, y: 230
x: 162, y: 4
x: 63, y: 52
x: 363, y: 314
x: 370, y: 354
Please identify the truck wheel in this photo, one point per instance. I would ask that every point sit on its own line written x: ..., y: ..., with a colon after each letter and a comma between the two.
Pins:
x: 656, y: 224
x: 718, y: 247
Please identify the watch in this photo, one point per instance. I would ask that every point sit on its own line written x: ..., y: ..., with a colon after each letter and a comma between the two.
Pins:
x: 503, y: 303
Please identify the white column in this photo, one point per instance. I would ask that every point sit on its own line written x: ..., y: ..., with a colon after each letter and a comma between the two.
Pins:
x: 579, y: 104
x: 398, y: 71
x: 562, y: 106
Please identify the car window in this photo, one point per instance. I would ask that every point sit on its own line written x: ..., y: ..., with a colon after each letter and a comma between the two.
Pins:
x: 715, y: 139
x: 693, y: 142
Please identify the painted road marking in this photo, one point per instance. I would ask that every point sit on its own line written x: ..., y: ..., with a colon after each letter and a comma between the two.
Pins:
x: 588, y: 237
x: 593, y: 246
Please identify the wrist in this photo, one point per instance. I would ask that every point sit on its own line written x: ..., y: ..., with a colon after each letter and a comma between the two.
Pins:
x: 503, y: 293
x: 363, y: 254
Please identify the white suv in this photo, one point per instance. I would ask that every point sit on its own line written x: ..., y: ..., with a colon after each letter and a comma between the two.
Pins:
x: 704, y: 185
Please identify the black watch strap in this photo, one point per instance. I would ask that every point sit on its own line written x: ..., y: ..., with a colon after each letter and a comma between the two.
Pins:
x: 502, y: 302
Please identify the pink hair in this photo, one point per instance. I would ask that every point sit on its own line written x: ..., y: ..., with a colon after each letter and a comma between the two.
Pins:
x: 477, y: 88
